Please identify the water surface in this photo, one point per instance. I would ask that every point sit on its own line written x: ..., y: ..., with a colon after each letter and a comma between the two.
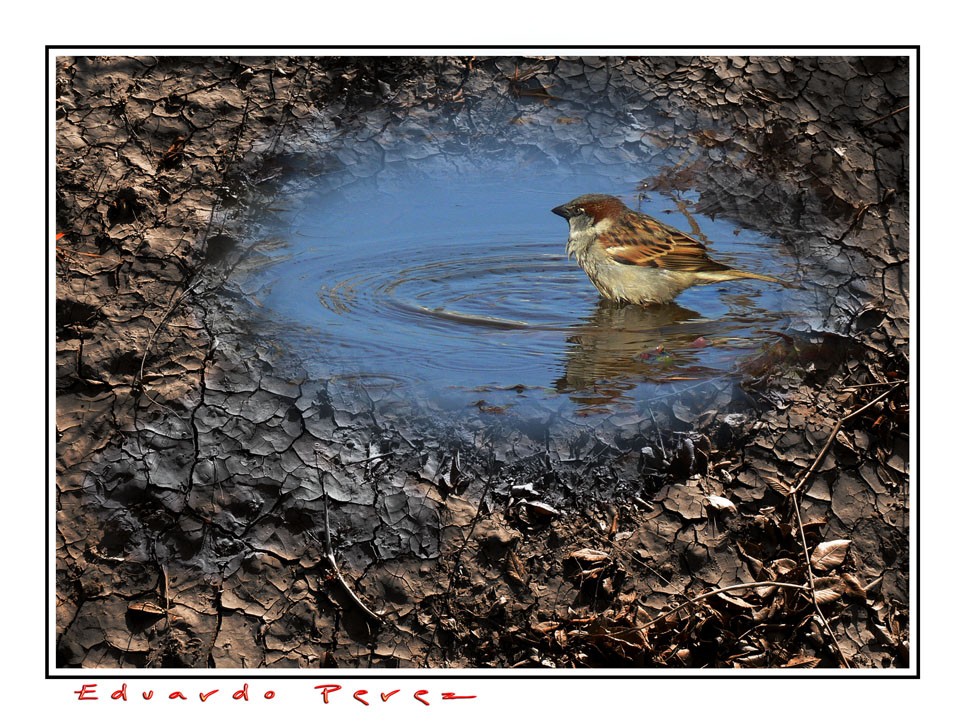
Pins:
x: 454, y: 286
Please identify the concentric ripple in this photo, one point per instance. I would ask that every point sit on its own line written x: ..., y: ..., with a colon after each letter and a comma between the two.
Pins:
x: 514, y: 291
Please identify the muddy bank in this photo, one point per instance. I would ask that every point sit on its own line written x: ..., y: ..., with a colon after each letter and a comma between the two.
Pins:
x: 196, y: 460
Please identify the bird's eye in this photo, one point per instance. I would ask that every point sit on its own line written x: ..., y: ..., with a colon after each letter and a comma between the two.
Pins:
x: 580, y: 211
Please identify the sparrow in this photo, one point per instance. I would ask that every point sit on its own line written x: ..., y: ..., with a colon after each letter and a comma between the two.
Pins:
x: 632, y: 257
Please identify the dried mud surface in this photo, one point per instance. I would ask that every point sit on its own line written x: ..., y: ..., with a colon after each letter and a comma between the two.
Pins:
x: 197, y: 467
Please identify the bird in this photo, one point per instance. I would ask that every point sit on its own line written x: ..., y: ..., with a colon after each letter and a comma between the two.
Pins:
x: 631, y: 257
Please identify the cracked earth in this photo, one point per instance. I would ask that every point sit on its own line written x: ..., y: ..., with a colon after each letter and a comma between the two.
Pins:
x: 203, y: 477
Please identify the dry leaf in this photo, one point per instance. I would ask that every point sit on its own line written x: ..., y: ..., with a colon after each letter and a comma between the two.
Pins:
x: 734, y: 601
x: 627, y: 598
x: 829, y: 554
x: 545, y: 627
x: 764, y: 591
x: 515, y: 568
x: 561, y: 637
x: 718, y: 503
x: 589, y: 555
x: 827, y: 589
x: 773, y: 610
x: 148, y: 608
x: 802, y: 662
x: 541, y: 510
x: 852, y: 586
x: 777, y: 486
x: 784, y: 565
x: 590, y: 574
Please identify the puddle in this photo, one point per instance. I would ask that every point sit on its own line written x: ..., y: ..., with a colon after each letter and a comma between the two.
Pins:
x: 451, y: 285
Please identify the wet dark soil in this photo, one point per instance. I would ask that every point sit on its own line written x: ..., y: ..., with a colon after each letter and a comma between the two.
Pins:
x: 222, y: 504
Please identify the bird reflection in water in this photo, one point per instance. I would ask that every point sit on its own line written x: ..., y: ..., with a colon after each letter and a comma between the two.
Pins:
x: 621, y: 346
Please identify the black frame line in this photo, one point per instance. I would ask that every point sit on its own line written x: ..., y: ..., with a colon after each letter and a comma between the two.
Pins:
x: 433, y: 674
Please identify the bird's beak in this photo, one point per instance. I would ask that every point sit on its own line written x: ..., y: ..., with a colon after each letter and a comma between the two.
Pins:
x: 562, y: 211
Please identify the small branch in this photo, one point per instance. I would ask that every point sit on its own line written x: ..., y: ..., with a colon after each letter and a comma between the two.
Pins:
x: 702, y: 596
x: 139, y: 380
x: 834, y: 432
x: 330, y: 553
x: 886, y: 116
x: 659, y: 436
x: 819, y: 459
x: 800, y: 521
x: 61, y: 251
x: 876, y: 400
x: 852, y: 388
x: 370, y: 459
x: 812, y: 588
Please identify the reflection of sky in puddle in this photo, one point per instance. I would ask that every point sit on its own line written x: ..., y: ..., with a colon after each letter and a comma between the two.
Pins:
x: 455, y: 285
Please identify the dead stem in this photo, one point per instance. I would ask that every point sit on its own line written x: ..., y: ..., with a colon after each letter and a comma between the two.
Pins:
x: 834, y: 432
x: 330, y: 553
x: 139, y: 380
x: 812, y: 588
x: 800, y: 522
x: 456, y: 564
x: 702, y: 596
x: 886, y: 116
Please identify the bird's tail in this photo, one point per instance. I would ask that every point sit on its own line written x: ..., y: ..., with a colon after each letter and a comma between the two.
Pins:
x: 724, y: 275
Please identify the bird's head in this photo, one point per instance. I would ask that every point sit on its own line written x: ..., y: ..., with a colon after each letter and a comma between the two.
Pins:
x: 589, y: 216
x: 590, y: 209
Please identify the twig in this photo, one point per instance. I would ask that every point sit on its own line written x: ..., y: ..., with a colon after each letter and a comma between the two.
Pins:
x: 659, y: 436
x: 813, y: 589
x: 886, y: 116
x: 139, y: 381
x: 834, y: 432
x: 702, y: 596
x: 867, y: 384
x: 63, y: 252
x: 370, y: 459
x: 330, y: 554
x: 819, y: 459
x: 456, y: 563
x: 876, y: 400
x: 800, y: 521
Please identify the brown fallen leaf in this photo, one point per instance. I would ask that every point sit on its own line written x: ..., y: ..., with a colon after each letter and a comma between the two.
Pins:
x: 734, y: 601
x: 827, y: 589
x: 852, y: 586
x: 545, y: 627
x: 146, y: 608
x: 777, y: 486
x: 561, y: 638
x: 719, y: 503
x: 783, y: 565
x: 541, y: 510
x: 589, y: 555
x: 174, y: 154
x: 829, y: 554
x: 802, y: 662
x: 591, y: 574
x: 515, y: 568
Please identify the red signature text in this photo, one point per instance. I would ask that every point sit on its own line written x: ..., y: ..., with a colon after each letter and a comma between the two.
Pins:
x: 362, y: 695
x: 330, y: 693
x: 88, y: 692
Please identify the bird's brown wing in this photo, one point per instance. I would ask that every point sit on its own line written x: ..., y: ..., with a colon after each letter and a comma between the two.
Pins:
x: 641, y: 240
